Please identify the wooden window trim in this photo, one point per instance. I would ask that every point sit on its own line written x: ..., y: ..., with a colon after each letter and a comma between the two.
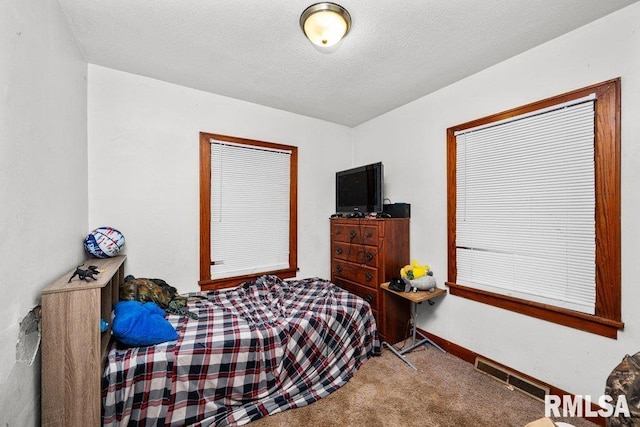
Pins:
x: 205, y: 282
x: 608, y: 316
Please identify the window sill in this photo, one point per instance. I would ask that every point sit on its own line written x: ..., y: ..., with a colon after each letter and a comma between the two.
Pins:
x: 229, y: 282
x: 573, y: 319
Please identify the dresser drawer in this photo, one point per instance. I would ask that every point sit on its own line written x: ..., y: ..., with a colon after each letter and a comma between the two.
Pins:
x: 366, y: 293
x: 367, y: 276
x: 357, y: 254
x: 355, y: 233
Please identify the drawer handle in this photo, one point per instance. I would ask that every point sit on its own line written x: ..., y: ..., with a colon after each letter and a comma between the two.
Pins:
x: 369, y: 234
x: 339, y: 268
x: 339, y: 251
x: 368, y: 277
x: 352, y: 234
x: 368, y: 297
x: 368, y: 256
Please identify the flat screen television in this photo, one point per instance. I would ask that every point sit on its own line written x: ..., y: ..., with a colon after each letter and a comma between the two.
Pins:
x: 359, y: 190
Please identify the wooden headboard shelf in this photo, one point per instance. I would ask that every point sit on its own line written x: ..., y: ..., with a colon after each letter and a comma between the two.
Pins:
x: 73, y: 347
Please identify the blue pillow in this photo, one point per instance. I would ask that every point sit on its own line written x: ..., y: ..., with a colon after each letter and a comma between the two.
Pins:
x: 141, y: 324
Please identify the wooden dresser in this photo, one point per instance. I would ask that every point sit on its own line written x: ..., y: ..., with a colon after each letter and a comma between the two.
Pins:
x: 366, y: 252
x: 73, y: 347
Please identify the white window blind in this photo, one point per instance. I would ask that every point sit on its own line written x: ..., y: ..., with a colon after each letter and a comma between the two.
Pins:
x: 525, y: 207
x: 250, y: 189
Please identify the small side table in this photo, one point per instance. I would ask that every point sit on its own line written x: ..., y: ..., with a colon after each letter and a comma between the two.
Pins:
x: 415, y: 298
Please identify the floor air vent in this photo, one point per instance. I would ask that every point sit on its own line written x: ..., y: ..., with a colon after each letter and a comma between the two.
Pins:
x: 501, y: 374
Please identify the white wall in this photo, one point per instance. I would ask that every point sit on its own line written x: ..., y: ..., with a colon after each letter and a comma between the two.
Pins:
x: 143, y: 179
x: 144, y: 166
x: 43, y: 179
x: 411, y: 141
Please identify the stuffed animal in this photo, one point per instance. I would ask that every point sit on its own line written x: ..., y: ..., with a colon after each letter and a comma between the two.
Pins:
x: 415, y: 270
x: 424, y: 283
x: 419, y: 276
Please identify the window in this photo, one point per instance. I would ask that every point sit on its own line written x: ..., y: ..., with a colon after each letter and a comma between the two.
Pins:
x: 534, y: 209
x: 248, y: 210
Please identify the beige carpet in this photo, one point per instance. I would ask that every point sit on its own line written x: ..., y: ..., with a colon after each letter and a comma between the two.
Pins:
x: 444, y: 392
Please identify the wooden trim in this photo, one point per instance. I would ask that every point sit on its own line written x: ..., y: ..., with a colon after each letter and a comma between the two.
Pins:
x: 598, y: 89
x: 608, y: 316
x: 574, y: 319
x: 470, y: 357
x: 205, y: 206
x: 293, y: 210
x: 206, y: 283
x: 248, y: 142
x: 452, y: 268
x: 607, y: 177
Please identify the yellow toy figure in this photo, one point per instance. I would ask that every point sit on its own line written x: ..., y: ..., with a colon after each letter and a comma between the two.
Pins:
x: 420, y: 276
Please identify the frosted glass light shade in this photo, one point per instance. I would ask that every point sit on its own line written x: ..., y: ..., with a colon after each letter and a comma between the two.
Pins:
x: 325, y: 24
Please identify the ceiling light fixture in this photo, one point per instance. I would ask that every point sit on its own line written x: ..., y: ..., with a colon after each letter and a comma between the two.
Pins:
x: 325, y: 24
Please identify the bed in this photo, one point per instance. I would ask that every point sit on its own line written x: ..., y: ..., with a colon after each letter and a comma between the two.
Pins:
x: 262, y: 348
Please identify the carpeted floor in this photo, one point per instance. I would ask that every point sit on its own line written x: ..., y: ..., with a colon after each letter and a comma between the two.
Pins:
x: 444, y: 392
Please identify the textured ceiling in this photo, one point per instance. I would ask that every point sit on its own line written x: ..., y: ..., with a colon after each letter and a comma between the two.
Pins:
x: 396, y: 51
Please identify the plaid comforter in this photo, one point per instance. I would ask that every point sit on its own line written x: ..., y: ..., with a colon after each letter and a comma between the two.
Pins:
x: 256, y: 350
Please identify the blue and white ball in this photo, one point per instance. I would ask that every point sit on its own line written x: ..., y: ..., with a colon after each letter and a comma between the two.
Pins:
x: 104, y: 242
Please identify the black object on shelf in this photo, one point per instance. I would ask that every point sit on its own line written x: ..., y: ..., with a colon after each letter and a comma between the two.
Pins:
x: 398, y: 210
